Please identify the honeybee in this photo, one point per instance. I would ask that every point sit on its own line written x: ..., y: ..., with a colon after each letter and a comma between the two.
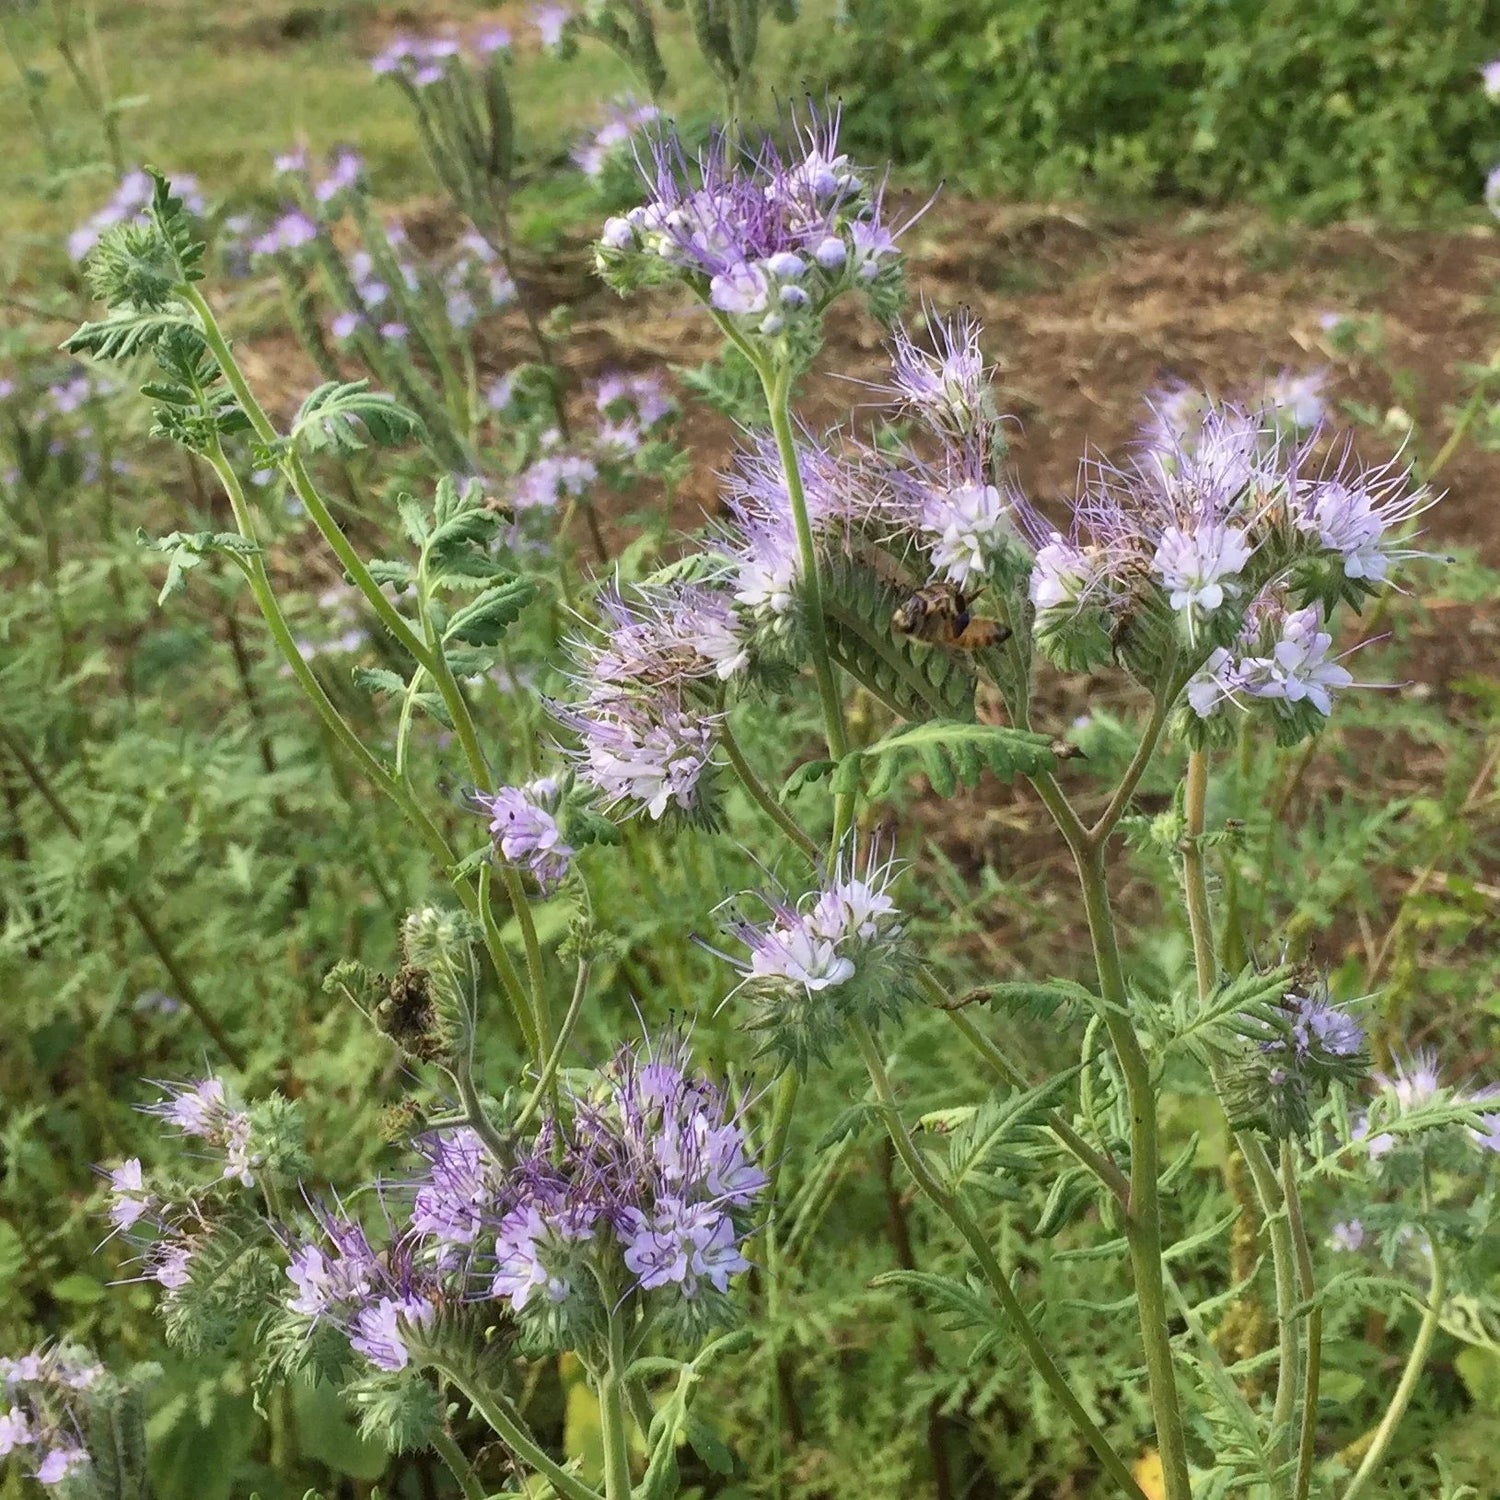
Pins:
x: 939, y: 614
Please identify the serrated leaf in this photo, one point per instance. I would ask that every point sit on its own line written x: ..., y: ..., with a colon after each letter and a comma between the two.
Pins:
x: 486, y: 617
x: 185, y: 550
x: 331, y: 419
x: 379, y: 680
x: 124, y: 333
x: 804, y: 776
x: 400, y: 574
x: 949, y: 752
x: 1036, y: 998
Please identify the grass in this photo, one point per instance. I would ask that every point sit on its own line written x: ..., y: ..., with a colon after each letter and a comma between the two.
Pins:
x: 217, y: 90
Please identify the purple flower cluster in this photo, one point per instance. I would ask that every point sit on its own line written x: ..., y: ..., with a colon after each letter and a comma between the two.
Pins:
x: 1282, y: 657
x: 203, y: 1110
x: 288, y: 233
x: 643, y: 1186
x: 834, y: 955
x: 38, y: 1421
x: 659, y: 642
x: 475, y: 283
x: 630, y: 408
x: 1232, y: 530
x: 623, y: 119
x: 555, y: 475
x: 523, y: 824
x: 645, y: 734
x: 1415, y: 1085
x: 424, y: 61
x: 760, y: 546
x: 131, y: 198
x: 642, y: 754
x: 372, y: 1297
x: 764, y: 239
x: 656, y: 1172
x: 551, y: 22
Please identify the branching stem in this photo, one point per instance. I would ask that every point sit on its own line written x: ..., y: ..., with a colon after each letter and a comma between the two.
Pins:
x: 1010, y: 1305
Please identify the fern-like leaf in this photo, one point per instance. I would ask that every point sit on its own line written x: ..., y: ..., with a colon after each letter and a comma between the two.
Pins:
x: 948, y: 753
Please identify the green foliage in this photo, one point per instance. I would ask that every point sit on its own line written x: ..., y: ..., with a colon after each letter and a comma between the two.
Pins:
x: 948, y: 753
x: 1324, y: 108
x: 330, y: 418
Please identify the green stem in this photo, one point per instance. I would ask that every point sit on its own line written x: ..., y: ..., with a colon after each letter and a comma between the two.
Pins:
x: 1475, y: 405
x: 507, y: 1423
x: 613, y: 1422
x: 1143, y: 1210
x: 301, y: 482
x: 354, y: 565
x: 468, y: 738
x: 474, y: 1113
x: 1143, y: 1214
x: 460, y: 1467
x: 1262, y: 1173
x: 1308, y: 1285
x: 546, y: 1085
x: 1015, y: 1314
x: 1150, y: 738
x: 1416, y: 1362
x: 762, y: 797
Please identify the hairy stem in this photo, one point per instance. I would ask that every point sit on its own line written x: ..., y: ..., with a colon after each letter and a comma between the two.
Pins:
x: 1416, y: 1362
x: 1143, y: 1210
x: 546, y: 1085
x: 613, y: 1422
x: 1262, y: 1173
x: 507, y: 1423
x: 1015, y: 1314
x: 762, y: 797
x: 458, y: 1466
x: 1308, y: 1285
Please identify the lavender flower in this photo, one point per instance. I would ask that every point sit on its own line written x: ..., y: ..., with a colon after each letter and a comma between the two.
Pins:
x: 1352, y: 514
x: 761, y: 549
x: 344, y: 173
x: 622, y: 120
x: 553, y: 477
x: 462, y: 1179
x: 523, y: 824
x: 662, y: 641
x: 369, y: 1296
x: 642, y: 399
x: 762, y: 239
x: 643, y: 758
x: 290, y: 232
x: 44, y: 1408
x: 948, y: 388
x: 1347, y: 1236
x: 1297, y: 399
x: 965, y: 527
x: 129, y: 1199
x: 1199, y: 567
x: 551, y: 22
x: 203, y: 1110
x: 834, y: 955
x: 131, y: 198
x: 60, y: 1462
x: 1298, y: 669
x: 1490, y: 76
